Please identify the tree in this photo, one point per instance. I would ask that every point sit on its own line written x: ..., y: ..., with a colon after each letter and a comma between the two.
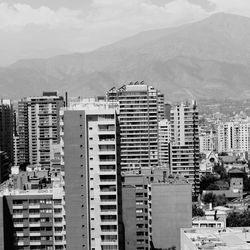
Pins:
x: 220, y: 200
x: 206, y: 180
x: 213, y: 186
x: 216, y: 200
x: 219, y: 169
x: 237, y: 219
x: 196, y: 211
x: 209, y: 198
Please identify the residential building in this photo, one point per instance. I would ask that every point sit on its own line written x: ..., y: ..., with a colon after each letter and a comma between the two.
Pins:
x: 91, y: 161
x: 141, y: 107
x: 234, y: 136
x: 155, y: 207
x: 164, y: 141
x: 32, y: 217
x: 38, y: 119
x: 6, y: 128
x: 215, y: 238
x: 184, y: 153
x: 207, y: 140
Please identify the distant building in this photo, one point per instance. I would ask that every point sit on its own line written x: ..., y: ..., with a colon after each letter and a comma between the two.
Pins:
x: 207, y: 140
x: 234, y: 136
x: 154, y: 209
x: 141, y: 107
x: 38, y: 119
x: 6, y: 128
x: 91, y: 159
x: 215, y: 238
x: 164, y: 141
x: 184, y: 154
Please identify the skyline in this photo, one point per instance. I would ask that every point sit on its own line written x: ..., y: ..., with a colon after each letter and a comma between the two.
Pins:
x: 44, y: 29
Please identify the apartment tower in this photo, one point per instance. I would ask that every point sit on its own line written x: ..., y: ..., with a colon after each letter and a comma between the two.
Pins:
x: 91, y: 161
x: 141, y: 107
x: 6, y: 128
x: 184, y: 155
x: 38, y: 119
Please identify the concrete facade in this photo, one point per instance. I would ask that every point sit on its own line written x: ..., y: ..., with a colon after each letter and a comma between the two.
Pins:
x: 171, y: 209
x: 184, y: 155
x: 91, y: 181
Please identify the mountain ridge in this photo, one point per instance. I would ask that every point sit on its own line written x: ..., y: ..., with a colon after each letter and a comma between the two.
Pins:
x: 206, y: 59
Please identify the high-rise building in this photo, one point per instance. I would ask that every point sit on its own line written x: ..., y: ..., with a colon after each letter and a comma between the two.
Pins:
x: 91, y: 159
x: 141, y: 107
x: 38, y: 120
x: 32, y: 214
x: 6, y: 128
x: 184, y: 155
x: 164, y: 140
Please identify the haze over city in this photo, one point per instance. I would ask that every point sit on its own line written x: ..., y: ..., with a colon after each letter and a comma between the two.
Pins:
x: 124, y: 124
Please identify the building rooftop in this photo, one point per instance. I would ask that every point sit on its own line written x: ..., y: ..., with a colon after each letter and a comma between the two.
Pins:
x: 218, y: 239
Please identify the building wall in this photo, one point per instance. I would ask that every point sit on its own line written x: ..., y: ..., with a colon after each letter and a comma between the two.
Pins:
x: 76, y: 180
x: 171, y: 210
x: 90, y: 156
x: 141, y: 205
x: 129, y: 217
x: 1, y: 224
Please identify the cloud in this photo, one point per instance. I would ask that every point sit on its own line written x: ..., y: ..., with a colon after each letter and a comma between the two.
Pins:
x: 239, y: 7
x: 20, y: 15
x: 38, y: 27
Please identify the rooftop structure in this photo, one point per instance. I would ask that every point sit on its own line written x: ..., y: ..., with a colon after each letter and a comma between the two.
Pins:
x: 215, y: 239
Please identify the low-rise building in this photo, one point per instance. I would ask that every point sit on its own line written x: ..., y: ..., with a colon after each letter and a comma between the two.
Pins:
x: 215, y: 239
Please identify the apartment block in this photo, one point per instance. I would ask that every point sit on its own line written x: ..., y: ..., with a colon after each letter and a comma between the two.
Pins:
x: 234, y: 136
x: 91, y: 161
x: 6, y: 128
x: 141, y: 107
x: 164, y: 141
x: 155, y: 207
x: 38, y: 119
x: 32, y: 218
x: 208, y: 140
x: 184, y: 153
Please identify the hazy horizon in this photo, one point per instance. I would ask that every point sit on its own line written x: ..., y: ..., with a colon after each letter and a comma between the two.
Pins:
x: 43, y: 28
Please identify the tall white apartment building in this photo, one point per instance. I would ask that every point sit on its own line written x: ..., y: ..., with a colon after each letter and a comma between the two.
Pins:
x: 207, y: 139
x: 38, y: 127
x: 164, y: 140
x: 184, y: 158
x: 91, y: 158
x: 234, y: 136
x: 141, y: 107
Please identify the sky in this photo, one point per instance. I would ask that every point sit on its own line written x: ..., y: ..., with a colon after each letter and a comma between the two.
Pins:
x: 45, y: 28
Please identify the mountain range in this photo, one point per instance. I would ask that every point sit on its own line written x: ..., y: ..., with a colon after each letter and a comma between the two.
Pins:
x: 202, y: 60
